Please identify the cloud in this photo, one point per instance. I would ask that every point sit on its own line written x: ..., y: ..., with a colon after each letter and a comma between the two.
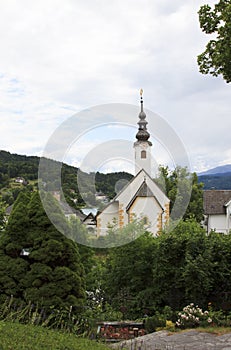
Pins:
x: 58, y: 58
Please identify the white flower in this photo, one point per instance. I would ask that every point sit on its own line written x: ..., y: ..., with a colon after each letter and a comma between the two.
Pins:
x: 209, y: 320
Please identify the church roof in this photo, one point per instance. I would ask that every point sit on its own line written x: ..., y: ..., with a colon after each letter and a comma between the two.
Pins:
x: 215, y: 201
x: 143, y: 191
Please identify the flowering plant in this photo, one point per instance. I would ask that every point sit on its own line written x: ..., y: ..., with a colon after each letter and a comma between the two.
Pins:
x: 192, y: 316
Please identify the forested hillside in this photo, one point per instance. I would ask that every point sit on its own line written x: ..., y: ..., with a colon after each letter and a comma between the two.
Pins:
x: 13, y: 166
x: 220, y: 181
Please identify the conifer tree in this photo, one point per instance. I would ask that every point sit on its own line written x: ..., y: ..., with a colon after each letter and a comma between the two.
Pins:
x: 53, y: 275
x: 13, y: 267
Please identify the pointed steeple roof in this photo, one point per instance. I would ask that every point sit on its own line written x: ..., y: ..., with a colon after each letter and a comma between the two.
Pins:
x: 142, y: 134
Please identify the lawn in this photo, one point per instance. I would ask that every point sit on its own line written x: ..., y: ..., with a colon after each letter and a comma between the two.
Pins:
x: 15, y: 336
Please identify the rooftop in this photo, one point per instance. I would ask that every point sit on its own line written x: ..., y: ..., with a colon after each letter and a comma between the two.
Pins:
x: 215, y: 201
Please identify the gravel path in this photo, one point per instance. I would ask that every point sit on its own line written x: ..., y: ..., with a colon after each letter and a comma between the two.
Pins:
x: 190, y: 340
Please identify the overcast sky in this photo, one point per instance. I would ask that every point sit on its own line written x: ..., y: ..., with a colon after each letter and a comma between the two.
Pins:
x: 61, y: 57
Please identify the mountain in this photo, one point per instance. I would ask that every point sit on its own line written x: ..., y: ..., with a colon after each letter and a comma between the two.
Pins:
x: 223, y: 169
x: 218, y: 178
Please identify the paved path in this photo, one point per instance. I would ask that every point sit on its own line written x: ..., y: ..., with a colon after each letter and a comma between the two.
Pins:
x: 189, y: 340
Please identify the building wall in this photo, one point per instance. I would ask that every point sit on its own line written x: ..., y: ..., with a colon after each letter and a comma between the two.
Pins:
x: 147, y: 208
x: 219, y: 222
x: 110, y: 214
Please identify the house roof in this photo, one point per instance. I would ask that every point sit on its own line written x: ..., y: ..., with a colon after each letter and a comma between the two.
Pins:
x: 215, y: 201
x: 89, y: 216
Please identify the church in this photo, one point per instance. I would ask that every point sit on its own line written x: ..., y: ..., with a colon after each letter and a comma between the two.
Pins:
x: 141, y: 198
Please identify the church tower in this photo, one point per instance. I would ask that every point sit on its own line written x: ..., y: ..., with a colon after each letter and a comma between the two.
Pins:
x: 142, y: 146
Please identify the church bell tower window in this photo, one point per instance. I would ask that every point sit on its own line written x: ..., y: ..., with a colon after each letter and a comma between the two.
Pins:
x: 143, y: 154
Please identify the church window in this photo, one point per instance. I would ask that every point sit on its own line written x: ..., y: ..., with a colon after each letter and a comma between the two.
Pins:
x: 143, y: 154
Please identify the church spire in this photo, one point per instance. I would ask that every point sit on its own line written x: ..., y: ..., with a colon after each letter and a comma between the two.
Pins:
x: 142, y: 134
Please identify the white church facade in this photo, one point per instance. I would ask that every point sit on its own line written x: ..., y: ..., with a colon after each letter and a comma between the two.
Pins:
x: 141, y: 198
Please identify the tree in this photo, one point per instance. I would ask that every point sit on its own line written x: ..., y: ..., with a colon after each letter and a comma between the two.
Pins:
x: 176, y: 184
x: 216, y: 59
x: 2, y: 216
x: 195, y: 206
x: 128, y: 276
x: 220, y: 248
x: 37, y: 262
x: 13, y: 267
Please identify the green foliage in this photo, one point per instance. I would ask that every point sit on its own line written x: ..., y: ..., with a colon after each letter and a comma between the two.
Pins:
x: 175, y: 184
x: 128, y: 276
x: 180, y: 266
x: 13, y: 165
x: 106, y: 182
x: 37, y: 263
x: 17, y: 336
x: 216, y: 59
x: 219, y: 318
x: 152, y: 323
x: 2, y: 217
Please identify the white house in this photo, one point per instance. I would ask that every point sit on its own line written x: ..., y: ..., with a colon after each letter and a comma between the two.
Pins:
x: 217, y: 210
x: 142, y: 197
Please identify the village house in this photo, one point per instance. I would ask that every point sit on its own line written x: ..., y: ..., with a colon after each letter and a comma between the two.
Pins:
x: 217, y: 210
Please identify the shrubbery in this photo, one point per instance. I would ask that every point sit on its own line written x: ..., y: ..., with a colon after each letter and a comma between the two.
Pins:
x: 154, y: 322
x: 193, y: 316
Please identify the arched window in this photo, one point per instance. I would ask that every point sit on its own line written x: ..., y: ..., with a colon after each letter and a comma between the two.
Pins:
x: 143, y: 154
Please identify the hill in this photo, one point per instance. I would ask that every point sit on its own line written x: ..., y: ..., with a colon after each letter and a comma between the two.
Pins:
x: 20, y: 173
x: 13, y: 166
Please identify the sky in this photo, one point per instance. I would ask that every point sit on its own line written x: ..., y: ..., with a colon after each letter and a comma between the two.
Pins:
x: 60, y: 58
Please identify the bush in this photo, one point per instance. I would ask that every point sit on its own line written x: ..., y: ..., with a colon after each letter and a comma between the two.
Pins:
x: 154, y: 322
x: 193, y: 316
x: 220, y: 318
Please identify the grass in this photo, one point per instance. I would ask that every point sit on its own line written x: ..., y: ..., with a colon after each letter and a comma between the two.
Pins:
x: 16, y: 336
x: 215, y: 330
